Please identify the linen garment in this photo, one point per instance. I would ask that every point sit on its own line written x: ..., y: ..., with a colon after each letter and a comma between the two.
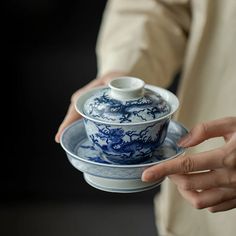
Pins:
x: 154, y: 40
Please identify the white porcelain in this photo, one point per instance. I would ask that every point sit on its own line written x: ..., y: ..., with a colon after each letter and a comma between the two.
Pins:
x: 127, y: 121
x: 119, y: 186
x: 126, y: 88
x: 102, y: 174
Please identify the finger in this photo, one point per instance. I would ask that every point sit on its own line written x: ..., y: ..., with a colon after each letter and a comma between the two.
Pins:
x: 206, y: 180
x: 230, y: 160
x: 186, y: 163
x: 70, y: 117
x: 208, y: 198
x: 204, y: 131
x: 93, y: 84
x: 225, y: 206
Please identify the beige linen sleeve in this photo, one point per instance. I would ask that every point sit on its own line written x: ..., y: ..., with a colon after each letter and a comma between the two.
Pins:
x: 144, y: 38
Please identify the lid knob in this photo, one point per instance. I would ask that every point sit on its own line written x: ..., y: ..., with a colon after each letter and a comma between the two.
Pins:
x: 123, y: 88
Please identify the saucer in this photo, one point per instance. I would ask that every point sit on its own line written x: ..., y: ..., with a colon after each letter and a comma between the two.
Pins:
x: 111, y: 177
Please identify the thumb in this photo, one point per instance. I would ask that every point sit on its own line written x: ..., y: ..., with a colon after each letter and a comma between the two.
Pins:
x: 70, y: 117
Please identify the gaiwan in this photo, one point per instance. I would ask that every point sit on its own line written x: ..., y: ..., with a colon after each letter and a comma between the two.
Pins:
x: 127, y: 120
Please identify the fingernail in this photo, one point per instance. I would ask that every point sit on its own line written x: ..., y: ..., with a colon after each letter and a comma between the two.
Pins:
x: 184, y: 141
x: 148, y: 176
x: 57, y: 138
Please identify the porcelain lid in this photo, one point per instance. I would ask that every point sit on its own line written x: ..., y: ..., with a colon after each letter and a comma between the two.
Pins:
x: 126, y: 100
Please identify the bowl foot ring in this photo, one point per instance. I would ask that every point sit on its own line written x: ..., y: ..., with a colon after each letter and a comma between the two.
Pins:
x: 119, y: 185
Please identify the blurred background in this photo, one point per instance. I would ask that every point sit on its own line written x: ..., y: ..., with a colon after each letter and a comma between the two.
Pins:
x: 49, y: 53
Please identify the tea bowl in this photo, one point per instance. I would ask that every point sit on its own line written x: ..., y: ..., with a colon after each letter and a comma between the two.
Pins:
x: 128, y: 120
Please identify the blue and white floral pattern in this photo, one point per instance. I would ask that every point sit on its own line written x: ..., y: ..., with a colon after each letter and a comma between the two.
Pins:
x: 102, y: 107
x: 126, y: 144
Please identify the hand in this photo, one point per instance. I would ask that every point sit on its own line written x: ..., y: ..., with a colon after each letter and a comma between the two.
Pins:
x: 72, y: 114
x: 215, y: 188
